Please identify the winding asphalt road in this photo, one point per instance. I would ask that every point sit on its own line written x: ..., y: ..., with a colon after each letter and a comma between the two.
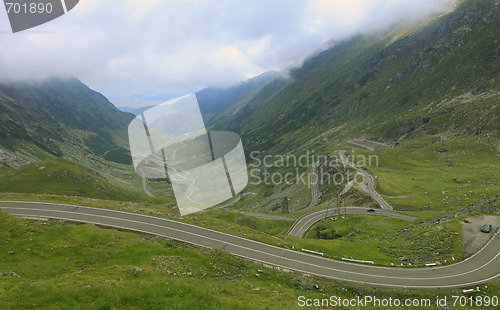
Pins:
x: 144, y: 185
x: 235, y: 200
x: 355, y: 142
x: 369, y: 179
x: 314, y: 181
x: 300, y: 227
x: 369, y: 148
x: 483, y: 267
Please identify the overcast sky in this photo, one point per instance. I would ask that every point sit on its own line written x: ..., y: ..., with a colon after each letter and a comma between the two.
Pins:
x: 165, y: 47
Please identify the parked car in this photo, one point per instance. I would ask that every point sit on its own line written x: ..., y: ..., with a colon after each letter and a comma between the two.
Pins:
x: 486, y: 228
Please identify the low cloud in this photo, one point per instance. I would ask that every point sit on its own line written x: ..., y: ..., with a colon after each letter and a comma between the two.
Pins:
x: 124, y: 47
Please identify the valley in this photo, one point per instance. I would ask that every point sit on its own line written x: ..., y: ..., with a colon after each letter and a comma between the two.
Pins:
x: 372, y: 167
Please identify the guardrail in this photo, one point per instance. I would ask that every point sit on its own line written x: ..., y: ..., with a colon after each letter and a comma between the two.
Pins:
x: 312, y: 252
x: 358, y: 261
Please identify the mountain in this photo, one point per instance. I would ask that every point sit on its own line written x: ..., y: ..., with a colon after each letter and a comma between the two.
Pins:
x: 135, y: 111
x: 52, y: 117
x: 439, y: 78
x: 60, y: 176
x: 213, y: 100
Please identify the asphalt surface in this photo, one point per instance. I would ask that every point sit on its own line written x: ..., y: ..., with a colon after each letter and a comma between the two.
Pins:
x: 235, y: 200
x: 369, y: 179
x: 144, y: 185
x: 355, y: 142
x: 483, y: 267
x: 301, y: 226
x: 474, y: 239
x: 369, y: 148
x: 314, y: 188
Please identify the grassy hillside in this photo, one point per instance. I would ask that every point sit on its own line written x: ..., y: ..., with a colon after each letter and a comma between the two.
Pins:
x: 431, y: 173
x: 439, y: 78
x: 61, y: 176
x: 213, y: 100
x: 48, y: 115
x: 51, y: 265
x: 431, y: 91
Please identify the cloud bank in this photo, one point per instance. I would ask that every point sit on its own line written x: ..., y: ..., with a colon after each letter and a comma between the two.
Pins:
x: 130, y: 47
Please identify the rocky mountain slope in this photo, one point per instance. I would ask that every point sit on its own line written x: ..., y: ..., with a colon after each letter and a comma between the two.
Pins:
x: 214, y: 100
x: 47, y: 118
x: 440, y: 78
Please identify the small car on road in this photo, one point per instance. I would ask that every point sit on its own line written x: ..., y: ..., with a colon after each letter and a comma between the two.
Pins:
x: 371, y: 210
x: 486, y: 228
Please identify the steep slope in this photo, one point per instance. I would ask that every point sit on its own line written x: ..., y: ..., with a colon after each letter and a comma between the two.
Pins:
x: 439, y: 78
x: 213, y: 100
x: 42, y: 118
x: 135, y: 111
x: 60, y: 176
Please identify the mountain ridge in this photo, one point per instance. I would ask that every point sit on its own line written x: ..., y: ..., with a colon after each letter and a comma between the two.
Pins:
x: 48, y: 114
x: 388, y: 87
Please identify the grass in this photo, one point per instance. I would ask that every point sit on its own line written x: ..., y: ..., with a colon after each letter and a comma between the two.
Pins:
x: 59, y: 176
x: 272, y: 227
x: 433, y: 173
x: 82, y: 266
x: 142, y: 207
x: 79, y: 247
x: 384, y: 243
x: 270, y: 194
x: 384, y: 240
x: 363, y: 235
x: 379, y: 239
x: 400, y: 169
x: 73, y: 266
x: 425, y: 176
